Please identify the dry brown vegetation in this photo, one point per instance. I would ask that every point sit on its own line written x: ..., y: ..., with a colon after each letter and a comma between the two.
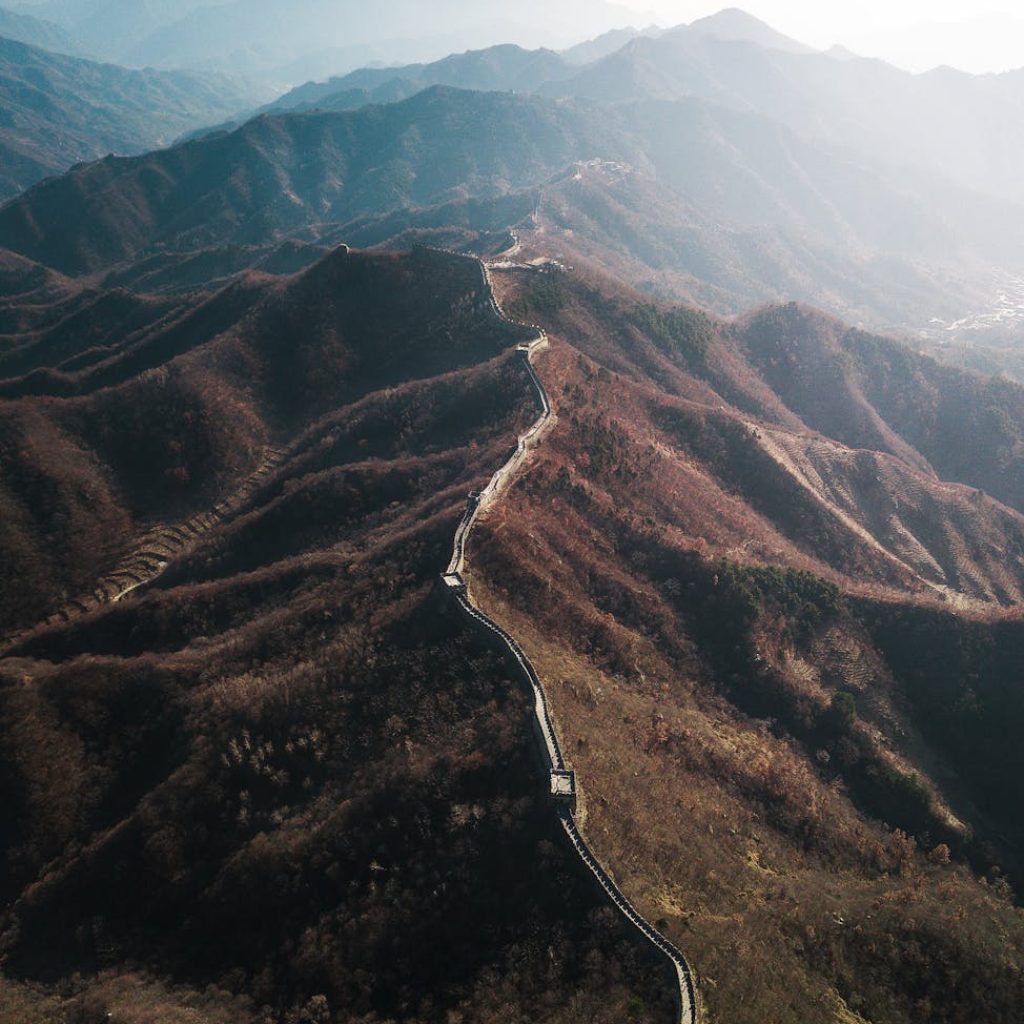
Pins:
x: 785, y: 667
x: 280, y: 783
x: 778, y: 616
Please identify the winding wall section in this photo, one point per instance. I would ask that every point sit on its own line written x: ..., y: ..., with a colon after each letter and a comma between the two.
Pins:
x: 563, y: 780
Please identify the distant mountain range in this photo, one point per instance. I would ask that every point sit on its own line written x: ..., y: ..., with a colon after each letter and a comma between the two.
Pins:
x: 501, y: 68
x: 768, y: 165
x: 24, y: 28
x: 109, y: 28
x: 280, y: 175
x: 947, y: 122
x: 714, y: 205
x: 56, y: 111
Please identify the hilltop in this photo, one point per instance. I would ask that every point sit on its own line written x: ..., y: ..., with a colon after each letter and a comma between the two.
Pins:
x: 264, y: 38
x: 735, y: 26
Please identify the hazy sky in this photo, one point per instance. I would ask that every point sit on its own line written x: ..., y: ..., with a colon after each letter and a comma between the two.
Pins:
x: 976, y: 35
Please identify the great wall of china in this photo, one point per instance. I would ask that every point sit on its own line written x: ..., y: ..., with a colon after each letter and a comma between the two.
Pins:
x: 562, y: 778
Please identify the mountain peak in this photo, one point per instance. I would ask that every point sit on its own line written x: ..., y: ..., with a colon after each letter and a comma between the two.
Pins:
x: 734, y: 25
x: 840, y: 52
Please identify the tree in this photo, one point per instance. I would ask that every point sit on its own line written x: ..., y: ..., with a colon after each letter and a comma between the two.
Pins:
x: 842, y: 712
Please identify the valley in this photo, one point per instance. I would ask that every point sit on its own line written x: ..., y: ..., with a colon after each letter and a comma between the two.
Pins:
x: 1008, y: 308
x: 985, y: 341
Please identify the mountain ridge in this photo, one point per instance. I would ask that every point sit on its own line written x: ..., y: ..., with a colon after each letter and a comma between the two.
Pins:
x: 735, y: 25
x: 755, y: 576
x: 431, y: 392
x: 24, y: 28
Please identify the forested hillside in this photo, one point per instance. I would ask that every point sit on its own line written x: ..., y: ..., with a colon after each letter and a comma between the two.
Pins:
x: 782, y: 650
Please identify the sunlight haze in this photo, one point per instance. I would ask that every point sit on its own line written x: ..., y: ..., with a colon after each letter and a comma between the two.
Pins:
x: 914, y: 34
